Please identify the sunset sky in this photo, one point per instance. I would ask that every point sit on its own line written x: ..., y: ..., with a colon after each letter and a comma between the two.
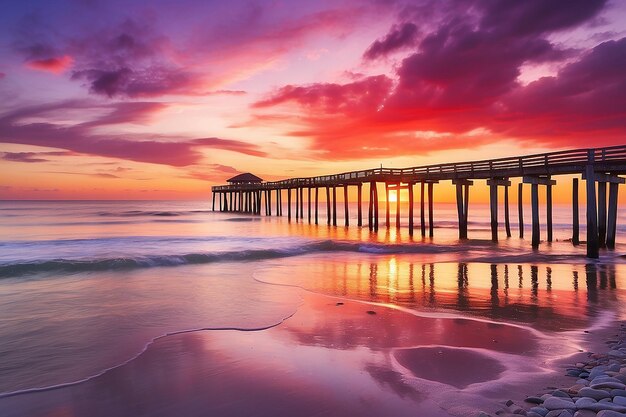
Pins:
x: 162, y: 99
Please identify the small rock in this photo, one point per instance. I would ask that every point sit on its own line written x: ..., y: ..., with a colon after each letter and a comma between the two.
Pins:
x: 560, y: 394
x: 534, y: 400
x: 555, y: 403
x: 539, y: 410
x: 596, y: 394
x: 610, y: 413
x: 370, y: 312
x: 608, y: 384
x: 584, y: 413
x: 584, y: 401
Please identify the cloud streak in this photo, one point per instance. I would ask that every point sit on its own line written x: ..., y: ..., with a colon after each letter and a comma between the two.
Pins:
x: 80, y: 138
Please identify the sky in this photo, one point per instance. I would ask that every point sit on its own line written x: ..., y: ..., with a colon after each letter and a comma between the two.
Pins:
x: 160, y: 99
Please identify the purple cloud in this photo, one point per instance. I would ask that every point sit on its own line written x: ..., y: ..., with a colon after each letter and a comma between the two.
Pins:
x: 141, y: 148
x: 400, y: 36
x: 31, y: 157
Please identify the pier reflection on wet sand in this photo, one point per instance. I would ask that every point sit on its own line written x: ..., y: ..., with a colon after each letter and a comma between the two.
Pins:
x: 551, y: 297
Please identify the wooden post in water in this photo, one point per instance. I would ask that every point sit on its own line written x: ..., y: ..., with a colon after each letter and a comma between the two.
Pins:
x: 493, y: 184
x: 309, y: 204
x: 410, y: 209
x: 575, y: 214
x: 507, y: 220
x: 520, y: 208
x: 549, y: 210
x: 422, y: 217
x: 359, y: 208
x: 334, y: 205
x: 534, y: 201
x: 398, y: 206
x: 431, y: 226
x: 345, y: 205
x: 213, y: 201
x: 602, y: 213
x: 462, y: 204
x: 316, y: 203
x: 466, y: 205
x: 593, y: 244
x: 611, y: 226
x: 297, y: 202
x: 375, y: 207
x: 493, y: 209
x: 387, y: 205
x: 289, y: 204
x: 328, y: 213
x: 269, y: 201
x: 370, y: 212
x: 301, y: 203
x: 535, y: 182
x: 612, y: 221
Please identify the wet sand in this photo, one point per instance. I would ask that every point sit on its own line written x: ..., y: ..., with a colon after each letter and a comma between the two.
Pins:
x: 333, y: 358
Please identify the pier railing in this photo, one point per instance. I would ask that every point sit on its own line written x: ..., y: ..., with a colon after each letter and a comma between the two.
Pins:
x: 560, y: 162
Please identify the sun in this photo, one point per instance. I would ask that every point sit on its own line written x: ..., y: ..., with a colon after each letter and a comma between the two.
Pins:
x: 393, y: 196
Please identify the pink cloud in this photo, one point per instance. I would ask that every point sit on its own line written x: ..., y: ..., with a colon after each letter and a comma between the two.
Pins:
x: 463, y: 79
x: 56, y: 65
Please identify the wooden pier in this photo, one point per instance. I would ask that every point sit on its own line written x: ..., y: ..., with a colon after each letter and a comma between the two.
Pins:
x: 597, y: 167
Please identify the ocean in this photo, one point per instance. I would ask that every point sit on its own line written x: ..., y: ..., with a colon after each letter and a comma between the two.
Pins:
x: 168, y: 308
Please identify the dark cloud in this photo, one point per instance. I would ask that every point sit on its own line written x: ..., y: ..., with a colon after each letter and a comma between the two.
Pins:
x: 31, y: 157
x: 400, y: 36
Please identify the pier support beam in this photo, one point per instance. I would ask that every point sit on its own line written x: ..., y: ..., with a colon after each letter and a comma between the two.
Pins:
x: 422, y: 217
x: 375, y: 206
x: 493, y: 184
x: 520, y: 208
x: 289, y: 204
x: 575, y: 214
x: 360, y: 207
x: 507, y: 220
x: 535, y: 182
x: 370, y: 211
x: 602, y: 213
x: 612, y: 219
x: 410, y: 209
x: 593, y: 244
x: 549, y: 210
x: 328, y: 213
x: 462, y: 204
x: 431, y: 225
x: 317, y: 190
x: 607, y: 215
x: 345, y: 205
x: 213, y: 209
x: 301, y: 203
x: 309, y: 204
x: 334, y: 206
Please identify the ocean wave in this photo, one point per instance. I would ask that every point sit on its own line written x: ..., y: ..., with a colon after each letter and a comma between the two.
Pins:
x: 16, y: 269
x: 475, y: 252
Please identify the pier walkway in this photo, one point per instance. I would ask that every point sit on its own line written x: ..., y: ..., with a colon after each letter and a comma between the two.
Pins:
x: 599, y: 168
